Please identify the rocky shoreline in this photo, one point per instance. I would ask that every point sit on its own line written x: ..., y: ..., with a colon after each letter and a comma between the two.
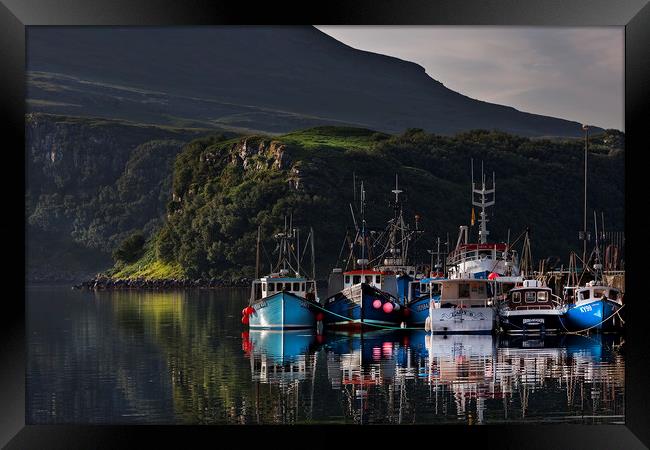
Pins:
x: 106, y: 283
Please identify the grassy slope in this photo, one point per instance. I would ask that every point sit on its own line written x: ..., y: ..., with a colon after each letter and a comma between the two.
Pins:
x: 434, y: 175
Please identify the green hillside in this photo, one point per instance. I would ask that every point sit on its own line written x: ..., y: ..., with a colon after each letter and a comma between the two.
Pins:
x: 224, y: 188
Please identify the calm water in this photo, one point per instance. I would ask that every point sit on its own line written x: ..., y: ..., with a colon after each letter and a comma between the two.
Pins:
x: 184, y: 357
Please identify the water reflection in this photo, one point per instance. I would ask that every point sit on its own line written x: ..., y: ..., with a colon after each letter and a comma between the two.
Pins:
x: 183, y: 357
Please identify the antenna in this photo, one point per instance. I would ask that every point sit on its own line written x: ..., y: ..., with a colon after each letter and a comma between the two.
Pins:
x: 397, y: 191
x: 485, y: 199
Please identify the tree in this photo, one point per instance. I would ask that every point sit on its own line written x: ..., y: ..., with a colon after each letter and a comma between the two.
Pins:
x: 130, y: 249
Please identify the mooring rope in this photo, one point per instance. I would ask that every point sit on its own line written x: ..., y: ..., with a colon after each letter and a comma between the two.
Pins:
x: 593, y: 326
x: 349, y: 319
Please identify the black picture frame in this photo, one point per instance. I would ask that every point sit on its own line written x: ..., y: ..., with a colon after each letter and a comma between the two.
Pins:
x: 15, y: 15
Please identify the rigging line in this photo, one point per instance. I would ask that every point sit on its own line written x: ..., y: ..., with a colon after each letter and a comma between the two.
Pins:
x: 268, y: 258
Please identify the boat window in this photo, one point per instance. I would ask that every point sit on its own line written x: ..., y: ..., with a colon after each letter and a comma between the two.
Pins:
x: 530, y: 297
x: 377, y: 279
x: 598, y: 293
x: 481, y: 288
x: 368, y: 279
x: 347, y: 279
x: 271, y: 287
x: 424, y: 288
x: 356, y: 279
x: 264, y: 286
x: 463, y: 290
x: 542, y: 296
x: 516, y: 297
x: 483, y: 254
x: 310, y: 286
x: 302, y: 286
x: 613, y: 295
x: 435, y: 289
x: 296, y: 286
x: 584, y: 295
x: 287, y: 286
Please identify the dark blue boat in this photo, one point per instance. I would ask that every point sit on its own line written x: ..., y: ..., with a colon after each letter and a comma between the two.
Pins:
x: 421, y: 293
x: 362, y: 305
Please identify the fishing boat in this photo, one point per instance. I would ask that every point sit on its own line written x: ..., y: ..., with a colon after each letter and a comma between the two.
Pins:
x: 421, y: 294
x: 465, y: 306
x: 531, y: 309
x: 362, y: 296
x: 283, y: 299
x: 481, y: 259
x: 393, y: 247
x: 595, y: 306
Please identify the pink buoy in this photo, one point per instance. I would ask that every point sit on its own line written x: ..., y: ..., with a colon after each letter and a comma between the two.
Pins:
x: 493, y: 276
x: 376, y: 304
x: 388, y: 307
x: 250, y: 310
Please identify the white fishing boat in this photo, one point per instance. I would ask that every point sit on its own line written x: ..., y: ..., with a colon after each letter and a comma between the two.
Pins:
x: 465, y: 306
x: 481, y: 259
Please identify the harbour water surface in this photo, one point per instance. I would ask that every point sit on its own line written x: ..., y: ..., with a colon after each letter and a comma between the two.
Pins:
x: 184, y: 357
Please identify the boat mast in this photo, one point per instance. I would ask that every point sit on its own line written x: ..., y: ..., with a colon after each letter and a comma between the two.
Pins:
x: 363, y: 227
x: 598, y: 275
x: 484, y: 200
x: 584, y: 220
x: 313, y: 256
x: 257, y: 253
x: 398, y: 224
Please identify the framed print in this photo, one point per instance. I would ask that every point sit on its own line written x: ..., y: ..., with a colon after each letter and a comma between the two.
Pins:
x: 385, y: 220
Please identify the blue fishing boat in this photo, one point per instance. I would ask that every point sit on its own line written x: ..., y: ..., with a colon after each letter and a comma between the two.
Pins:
x: 363, y: 296
x: 281, y: 301
x: 596, y: 306
x: 421, y: 294
x: 362, y: 303
x: 595, y: 309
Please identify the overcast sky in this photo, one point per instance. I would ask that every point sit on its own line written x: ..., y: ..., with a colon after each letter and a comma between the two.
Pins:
x: 571, y: 73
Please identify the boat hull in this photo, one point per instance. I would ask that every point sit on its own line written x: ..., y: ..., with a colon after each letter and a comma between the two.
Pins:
x: 282, y: 310
x: 353, y: 308
x: 531, y: 321
x: 418, y: 311
x: 596, y: 315
x: 479, y: 320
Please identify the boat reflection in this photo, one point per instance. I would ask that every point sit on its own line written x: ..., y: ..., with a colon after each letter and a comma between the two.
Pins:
x: 419, y: 377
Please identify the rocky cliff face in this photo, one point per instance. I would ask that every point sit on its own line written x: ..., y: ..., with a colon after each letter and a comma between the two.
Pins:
x: 90, y: 183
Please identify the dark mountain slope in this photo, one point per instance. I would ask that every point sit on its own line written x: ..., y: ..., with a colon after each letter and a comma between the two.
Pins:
x: 272, y: 78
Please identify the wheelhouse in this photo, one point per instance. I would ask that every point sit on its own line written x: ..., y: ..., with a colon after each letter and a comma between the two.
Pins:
x: 374, y: 278
x: 423, y: 287
x: 477, y: 252
x: 531, y: 296
x: 589, y: 293
x: 270, y: 285
x: 472, y: 293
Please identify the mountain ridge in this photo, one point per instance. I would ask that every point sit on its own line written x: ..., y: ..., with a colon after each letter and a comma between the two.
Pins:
x: 271, y: 79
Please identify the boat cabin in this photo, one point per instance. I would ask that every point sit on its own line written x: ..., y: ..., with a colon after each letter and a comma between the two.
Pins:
x: 270, y: 285
x: 424, y: 287
x: 381, y: 280
x: 531, y: 295
x: 471, y: 293
x: 593, y: 292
